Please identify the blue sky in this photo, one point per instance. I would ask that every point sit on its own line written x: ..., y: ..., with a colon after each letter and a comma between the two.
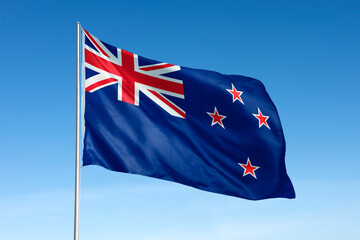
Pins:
x: 307, y: 54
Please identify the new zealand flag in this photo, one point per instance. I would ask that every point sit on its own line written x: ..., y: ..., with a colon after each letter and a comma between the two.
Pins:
x: 219, y: 133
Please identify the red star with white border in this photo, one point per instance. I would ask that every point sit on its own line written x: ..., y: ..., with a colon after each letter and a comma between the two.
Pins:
x: 236, y: 94
x: 262, y: 119
x: 217, y: 118
x: 249, y: 169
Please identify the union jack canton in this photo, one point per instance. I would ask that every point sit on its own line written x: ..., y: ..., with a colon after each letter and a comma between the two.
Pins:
x: 122, y: 68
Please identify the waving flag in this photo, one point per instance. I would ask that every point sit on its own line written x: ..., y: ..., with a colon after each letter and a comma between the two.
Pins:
x: 215, y: 132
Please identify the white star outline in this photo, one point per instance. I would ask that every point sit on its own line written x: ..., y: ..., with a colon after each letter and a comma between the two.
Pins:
x: 235, y: 90
x: 259, y: 115
x: 213, y: 118
x: 248, y: 163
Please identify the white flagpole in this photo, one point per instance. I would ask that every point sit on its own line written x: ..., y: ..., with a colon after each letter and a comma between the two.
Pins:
x: 77, y: 151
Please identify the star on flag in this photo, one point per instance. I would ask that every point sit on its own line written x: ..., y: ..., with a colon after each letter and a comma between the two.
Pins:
x: 249, y: 169
x: 262, y: 119
x: 216, y: 118
x: 236, y: 94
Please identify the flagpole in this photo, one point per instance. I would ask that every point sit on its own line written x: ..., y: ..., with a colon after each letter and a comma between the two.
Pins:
x: 77, y: 151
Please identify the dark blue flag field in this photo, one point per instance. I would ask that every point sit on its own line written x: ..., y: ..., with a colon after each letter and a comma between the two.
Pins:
x: 219, y: 133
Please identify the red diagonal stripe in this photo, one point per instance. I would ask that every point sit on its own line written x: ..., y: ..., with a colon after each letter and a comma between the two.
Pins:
x: 156, y: 67
x: 170, y: 104
x: 100, y: 83
x: 95, y: 43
